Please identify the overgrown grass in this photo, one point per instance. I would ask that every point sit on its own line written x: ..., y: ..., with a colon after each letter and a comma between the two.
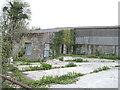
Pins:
x: 71, y: 65
x: 100, y: 69
x: 45, y: 80
x: 109, y: 56
x: 25, y: 63
x: 117, y: 66
x: 28, y: 61
x: 61, y: 59
x: 68, y: 65
x: 77, y: 60
x: 44, y: 66
x: 64, y: 79
x: 54, y: 57
x: 15, y: 74
x: 112, y: 57
x: 72, y: 55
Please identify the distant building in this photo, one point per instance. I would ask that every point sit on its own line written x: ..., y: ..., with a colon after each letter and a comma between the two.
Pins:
x: 89, y: 40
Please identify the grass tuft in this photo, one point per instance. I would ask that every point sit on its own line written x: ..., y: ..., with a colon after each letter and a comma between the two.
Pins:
x: 26, y: 63
x: 61, y: 59
x: 100, y: 69
x: 71, y: 65
x: 77, y: 60
x: 117, y: 66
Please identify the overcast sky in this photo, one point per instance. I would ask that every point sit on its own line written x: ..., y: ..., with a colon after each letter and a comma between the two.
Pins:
x: 72, y: 13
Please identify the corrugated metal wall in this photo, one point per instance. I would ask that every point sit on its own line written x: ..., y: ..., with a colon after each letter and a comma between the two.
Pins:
x: 97, y: 36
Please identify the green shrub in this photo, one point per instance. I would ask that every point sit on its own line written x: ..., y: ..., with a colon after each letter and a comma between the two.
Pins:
x: 22, y: 52
x: 19, y: 59
x: 12, y: 68
x: 80, y: 60
x: 61, y: 58
x: 71, y: 65
x: 6, y: 51
x: 53, y: 57
x: 15, y: 75
x: 97, y: 53
x: 105, y: 68
x: 45, y: 66
x: 117, y: 66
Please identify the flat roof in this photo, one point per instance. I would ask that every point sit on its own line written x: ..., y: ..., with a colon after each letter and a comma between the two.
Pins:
x: 69, y: 28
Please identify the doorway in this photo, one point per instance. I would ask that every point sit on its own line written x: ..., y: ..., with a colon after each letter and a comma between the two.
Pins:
x: 46, y: 50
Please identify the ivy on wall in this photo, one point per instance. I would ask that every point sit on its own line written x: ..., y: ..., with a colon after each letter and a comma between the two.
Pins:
x: 63, y: 37
x: 57, y: 42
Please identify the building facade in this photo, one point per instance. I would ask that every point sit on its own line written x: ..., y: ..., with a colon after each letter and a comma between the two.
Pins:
x: 88, y: 40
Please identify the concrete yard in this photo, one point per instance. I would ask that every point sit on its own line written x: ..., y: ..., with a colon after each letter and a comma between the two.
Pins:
x: 102, y: 79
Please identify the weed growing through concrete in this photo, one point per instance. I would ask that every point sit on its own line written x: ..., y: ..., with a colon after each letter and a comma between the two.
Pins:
x: 61, y: 58
x: 64, y: 79
x: 26, y: 63
x: 77, y: 60
x: 44, y: 66
x: 71, y: 65
x: 100, y: 69
x: 117, y: 66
